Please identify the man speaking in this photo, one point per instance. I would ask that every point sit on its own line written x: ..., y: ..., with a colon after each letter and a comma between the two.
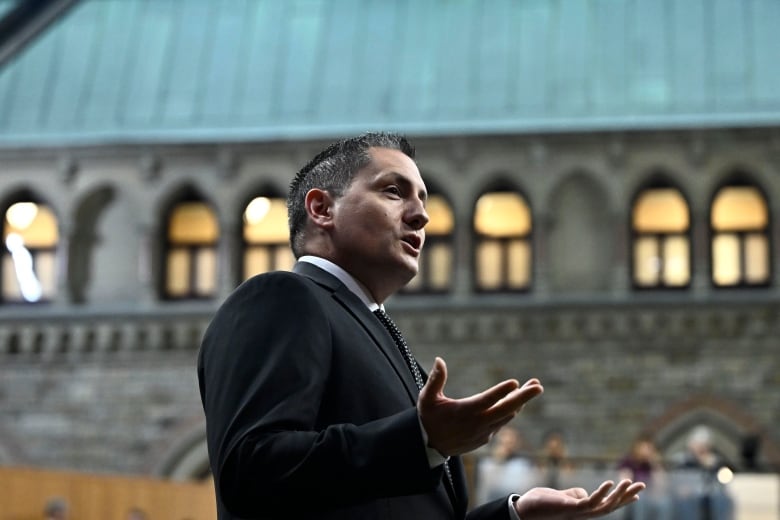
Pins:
x: 315, y: 406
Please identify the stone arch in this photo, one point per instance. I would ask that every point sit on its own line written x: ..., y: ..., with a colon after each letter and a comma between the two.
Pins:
x: 88, y: 214
x: 659, y: 177
x: 581, y: 235
x: 181, y: 191
x: 187, y: 458
x: 500, y: 181
x: 739, y: 176
x: 732, y: 429
x: 258, y: 184
x: 739, y: 173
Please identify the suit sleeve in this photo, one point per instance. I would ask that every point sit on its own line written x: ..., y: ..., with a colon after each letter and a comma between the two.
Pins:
x: 494, y: 510
x: 263, y: 368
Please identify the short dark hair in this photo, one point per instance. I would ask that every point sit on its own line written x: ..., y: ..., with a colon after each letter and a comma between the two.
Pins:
x: 332, y: 170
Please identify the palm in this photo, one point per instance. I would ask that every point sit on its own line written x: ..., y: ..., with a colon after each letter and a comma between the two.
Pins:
x: 554, y: 504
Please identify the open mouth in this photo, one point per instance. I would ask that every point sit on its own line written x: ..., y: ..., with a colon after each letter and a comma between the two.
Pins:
x: 414, y: 241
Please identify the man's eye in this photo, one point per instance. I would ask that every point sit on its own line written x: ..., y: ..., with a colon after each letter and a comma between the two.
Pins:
x: 393, y: 190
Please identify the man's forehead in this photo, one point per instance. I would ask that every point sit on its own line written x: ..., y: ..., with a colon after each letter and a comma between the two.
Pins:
x: 392, y: 161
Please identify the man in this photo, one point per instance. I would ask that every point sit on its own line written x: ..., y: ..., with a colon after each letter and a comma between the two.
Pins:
x: 314, y: 406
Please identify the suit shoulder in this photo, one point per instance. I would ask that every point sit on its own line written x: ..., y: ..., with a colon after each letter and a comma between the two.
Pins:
x: 273, y: 286
x: 275, y: 278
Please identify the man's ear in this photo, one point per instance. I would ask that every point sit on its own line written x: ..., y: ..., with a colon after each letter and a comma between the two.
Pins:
x: 319, y: 207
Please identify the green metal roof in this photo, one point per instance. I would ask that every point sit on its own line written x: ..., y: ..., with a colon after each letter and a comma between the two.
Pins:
x: 6, y: 6
x: 214, y: 70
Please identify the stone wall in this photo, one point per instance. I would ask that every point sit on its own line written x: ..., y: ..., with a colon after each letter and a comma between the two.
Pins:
x: 610, y: 373
x: 103, y: 377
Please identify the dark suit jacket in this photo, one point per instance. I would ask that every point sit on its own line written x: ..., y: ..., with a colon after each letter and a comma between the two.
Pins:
x: 310, y: 410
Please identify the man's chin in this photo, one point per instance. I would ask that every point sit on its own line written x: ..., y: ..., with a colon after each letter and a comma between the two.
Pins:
x: 411, y: 273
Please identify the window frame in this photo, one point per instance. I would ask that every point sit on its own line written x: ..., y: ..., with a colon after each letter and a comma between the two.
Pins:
x: 271, y: 248
x: 740, y: 180
x: 193, y: 250
x: 660, y: 239
x: 505, y: 243
x: 35, y: 252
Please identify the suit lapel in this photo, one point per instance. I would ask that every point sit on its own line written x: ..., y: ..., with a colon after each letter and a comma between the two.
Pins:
x: 352, y: 304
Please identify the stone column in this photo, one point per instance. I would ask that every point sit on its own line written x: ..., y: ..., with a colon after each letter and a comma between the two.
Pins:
x: 228, y: 262
x: 62, y: 294
x: 621, y: 255
x: 701, y: 282
x: 148, y: 262
x: 540, y: 281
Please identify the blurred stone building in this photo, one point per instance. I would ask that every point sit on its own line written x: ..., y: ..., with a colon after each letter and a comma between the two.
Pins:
x: 605, y: 180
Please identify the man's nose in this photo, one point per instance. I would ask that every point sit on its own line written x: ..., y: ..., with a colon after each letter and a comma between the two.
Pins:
x: 417, y: 217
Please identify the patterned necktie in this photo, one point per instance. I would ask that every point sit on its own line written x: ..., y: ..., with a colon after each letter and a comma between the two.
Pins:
x: 400, y: 342
x: 402, y: 346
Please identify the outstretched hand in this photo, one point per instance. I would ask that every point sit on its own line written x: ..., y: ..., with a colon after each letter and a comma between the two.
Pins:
x: 457, y: 426
x: 553, y: 504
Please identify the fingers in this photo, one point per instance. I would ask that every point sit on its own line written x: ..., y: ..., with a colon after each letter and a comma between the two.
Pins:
x: 624, y: 492
x: 602, y: 502
x: 532, y: 381
x: 602, y: 490
x: 510, y: 403
x: 492, y: 395
x: 496, y: 405
x: 631, y: 493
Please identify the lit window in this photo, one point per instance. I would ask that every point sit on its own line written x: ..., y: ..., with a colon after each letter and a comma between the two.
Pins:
x: 191, y: 253
x: 435, y: 273
x: 29, y: 264
x: 740, y: 237
x: 502, y: 222
x: 661, y: 241
x: 266, y: 237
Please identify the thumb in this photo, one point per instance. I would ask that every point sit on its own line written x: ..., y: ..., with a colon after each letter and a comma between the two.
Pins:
x: 437, y: 378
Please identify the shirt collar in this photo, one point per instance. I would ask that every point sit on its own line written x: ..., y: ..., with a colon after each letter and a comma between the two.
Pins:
x: 344, y: 277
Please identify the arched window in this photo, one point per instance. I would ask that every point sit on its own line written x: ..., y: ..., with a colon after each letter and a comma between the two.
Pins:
x: 739, y: 223
x: 266, y: 236
x: 436, y: 266
x: 30, y: 236
x: 660, y: 225
x: 502, y: 225
x: 191, y: 251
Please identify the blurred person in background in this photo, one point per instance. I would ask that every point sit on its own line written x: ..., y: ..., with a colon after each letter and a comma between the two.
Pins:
x: 136, y: 513
x: 554, y: 469
x: 56, y: 509
x: 643, y: 464
x: 700, y: 493
x: 506, y: 468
